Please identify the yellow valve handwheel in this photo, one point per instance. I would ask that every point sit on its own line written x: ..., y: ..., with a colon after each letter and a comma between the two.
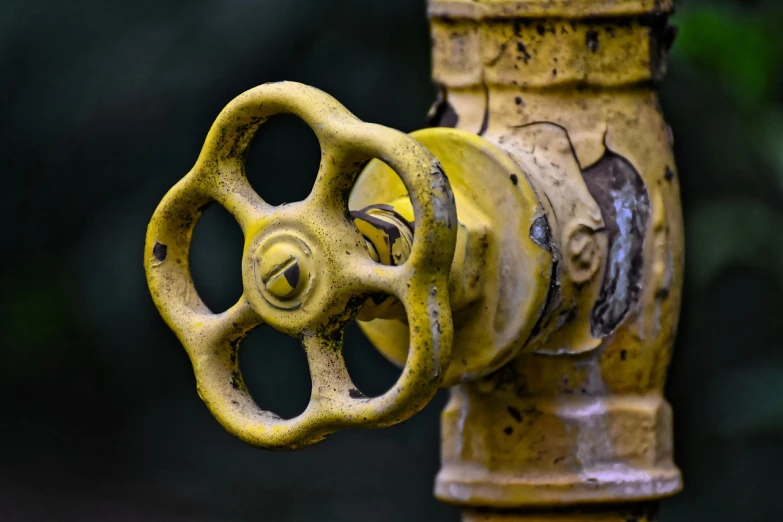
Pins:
x: 306, y: 269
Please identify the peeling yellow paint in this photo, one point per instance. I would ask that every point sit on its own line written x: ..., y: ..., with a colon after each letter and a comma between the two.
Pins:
x: 545, y: 288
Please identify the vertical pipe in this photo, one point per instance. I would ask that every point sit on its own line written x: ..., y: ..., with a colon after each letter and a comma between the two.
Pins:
x: 579, y: 418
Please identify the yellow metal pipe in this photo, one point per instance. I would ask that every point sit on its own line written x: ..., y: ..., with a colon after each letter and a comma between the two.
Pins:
x: 578, y: 417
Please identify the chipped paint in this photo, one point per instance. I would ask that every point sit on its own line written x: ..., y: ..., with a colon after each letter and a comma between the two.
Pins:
x: 620, y: 192
x: 567, y: 88
x: 557, y: 257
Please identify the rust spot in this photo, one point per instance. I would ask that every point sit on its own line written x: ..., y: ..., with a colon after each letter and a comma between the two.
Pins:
x: 669, y: 174
x: 565, y: 317
x: 236, y: 381
x: 623, y: 354
x: 160, y: 251
x: 501, y: 52
x: 592, y: 40
x: 524, y: 54
x: 518, y: 100
x: 508, y: 430
x: 552, y: 297
x: 233, y: 345
x: 540, y: 233
x: 514, y: 413
x: 619, y: 190
x: 514, y: 179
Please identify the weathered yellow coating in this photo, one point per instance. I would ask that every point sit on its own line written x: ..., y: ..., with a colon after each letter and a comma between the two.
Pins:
x: 578, y: 417
x: 319, y: 232
x: 565, y: 283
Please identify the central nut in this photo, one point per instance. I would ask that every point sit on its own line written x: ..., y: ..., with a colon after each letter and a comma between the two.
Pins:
x: 283, y: 271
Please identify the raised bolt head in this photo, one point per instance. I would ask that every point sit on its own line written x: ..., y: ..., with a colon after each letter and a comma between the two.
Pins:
x: 583, y: 254
x: 283, y: 271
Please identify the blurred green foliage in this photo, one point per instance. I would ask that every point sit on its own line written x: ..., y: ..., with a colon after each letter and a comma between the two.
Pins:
x: 724, y: 98
x: 739, y: 47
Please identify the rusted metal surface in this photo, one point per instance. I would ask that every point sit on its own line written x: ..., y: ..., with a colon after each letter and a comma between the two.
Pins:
x: 558, y: 260
x: 579, y: 416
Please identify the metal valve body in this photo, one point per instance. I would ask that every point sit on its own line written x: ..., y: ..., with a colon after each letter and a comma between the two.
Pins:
x: 568, y: 410
x: 526, y: 252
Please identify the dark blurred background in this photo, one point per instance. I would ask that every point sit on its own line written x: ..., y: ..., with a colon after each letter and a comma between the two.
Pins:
x: 105, y: 105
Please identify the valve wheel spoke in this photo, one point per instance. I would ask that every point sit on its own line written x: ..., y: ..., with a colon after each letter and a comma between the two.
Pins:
x: 328, y: 372
x: 340, y: 165
x: 220, y: 331
x: 368, y: 276
x: 235, y: 194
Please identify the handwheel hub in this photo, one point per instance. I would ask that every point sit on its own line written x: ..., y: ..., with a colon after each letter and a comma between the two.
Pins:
x: 282, y: 270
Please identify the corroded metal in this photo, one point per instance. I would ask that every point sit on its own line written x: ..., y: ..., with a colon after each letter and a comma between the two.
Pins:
x: 558, y: 260
x: 334, y: 270
x: 579, y: 416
